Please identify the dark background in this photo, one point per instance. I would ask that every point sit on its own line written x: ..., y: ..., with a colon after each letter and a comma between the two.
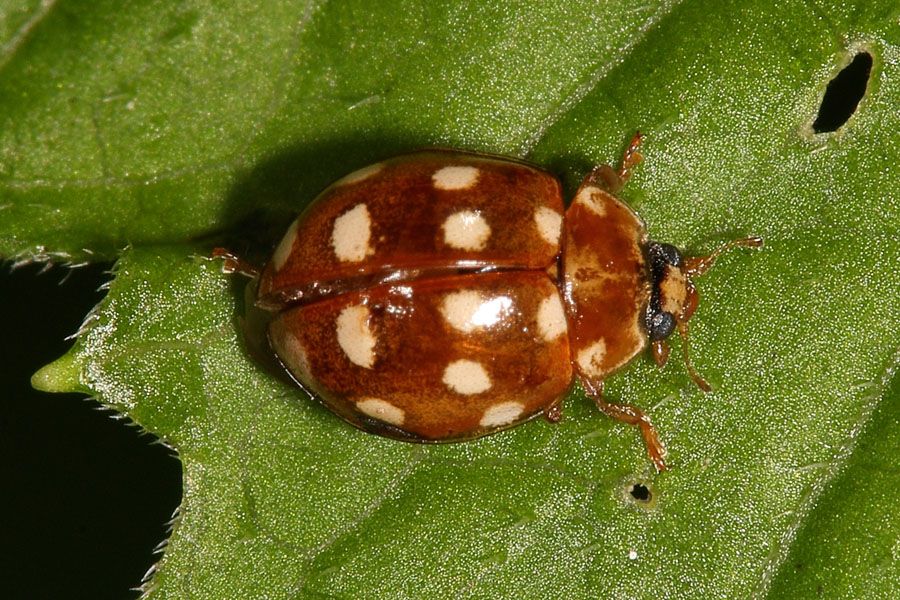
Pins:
x: 85, y: 499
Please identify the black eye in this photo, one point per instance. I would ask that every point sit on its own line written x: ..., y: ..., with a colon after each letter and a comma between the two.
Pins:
x: 661, y: 326
x: 670, y: 254
x: 663, y: 254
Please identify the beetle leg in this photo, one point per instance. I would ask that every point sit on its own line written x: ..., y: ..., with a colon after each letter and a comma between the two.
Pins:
x: 631, y: 415
x: 694, y: 266
x: 553, y: 413
x: 605, y: 177
x: 235, y: 264
x: 631, y: 158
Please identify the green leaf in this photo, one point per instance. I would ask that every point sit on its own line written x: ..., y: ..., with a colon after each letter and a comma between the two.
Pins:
x: 849, y: 544
x: 165, y: 123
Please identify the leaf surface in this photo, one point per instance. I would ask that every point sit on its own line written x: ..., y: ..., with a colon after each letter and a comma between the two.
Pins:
x: 212, y: 114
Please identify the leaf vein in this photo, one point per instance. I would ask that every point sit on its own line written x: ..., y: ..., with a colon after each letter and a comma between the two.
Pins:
x: 18, y: 38
x: 874, y: 392
x: 416, y: 458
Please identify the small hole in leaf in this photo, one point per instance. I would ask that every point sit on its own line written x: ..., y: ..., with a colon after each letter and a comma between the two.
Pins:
x: 843, y: 94
x: 640, y: 492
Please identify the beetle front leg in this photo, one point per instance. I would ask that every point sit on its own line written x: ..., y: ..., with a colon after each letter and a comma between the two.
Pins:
x: 631, y: 158
x: 611, y: 180
x: 631, y: 415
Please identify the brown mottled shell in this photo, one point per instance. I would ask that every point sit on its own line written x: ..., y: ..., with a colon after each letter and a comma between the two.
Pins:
x: 428, y: 298
x: 415, y: 216
x: 415, y: 296
x: 440, y: 359
x: 606, y: 283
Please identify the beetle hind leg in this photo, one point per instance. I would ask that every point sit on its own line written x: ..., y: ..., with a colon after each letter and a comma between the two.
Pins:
x: 234, y: 263
x: 632, y: 415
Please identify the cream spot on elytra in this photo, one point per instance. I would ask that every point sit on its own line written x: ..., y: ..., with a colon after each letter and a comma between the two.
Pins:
x: 381, y: 410
x: 359, y: 175
x: 283, y: 251
x: 352, y: 234
x: 354, y: 336
x: 466, y: 230
x: 467, y: 310
x: 466, y: 377
x: 455, y: 178
x: 549, y: 224
x: 591, y: 198
x: 590, y: 359
x: 501, y: 413
x: 551, y: 318
x: 291, y: 352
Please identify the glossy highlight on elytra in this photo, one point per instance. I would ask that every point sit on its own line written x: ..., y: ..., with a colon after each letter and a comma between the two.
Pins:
x: 443, y: 295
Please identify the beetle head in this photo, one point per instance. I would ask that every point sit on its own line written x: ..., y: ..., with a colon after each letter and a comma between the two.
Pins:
x: 674, y: 299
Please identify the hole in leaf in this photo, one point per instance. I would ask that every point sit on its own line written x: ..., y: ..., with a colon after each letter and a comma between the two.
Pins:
x: 843, y: 94
x: 640, y: 492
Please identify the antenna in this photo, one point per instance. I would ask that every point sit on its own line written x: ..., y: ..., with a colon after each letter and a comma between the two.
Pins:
x: 698, y: 265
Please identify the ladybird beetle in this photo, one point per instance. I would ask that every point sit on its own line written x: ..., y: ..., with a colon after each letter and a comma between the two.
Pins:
x: 443, y: 295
